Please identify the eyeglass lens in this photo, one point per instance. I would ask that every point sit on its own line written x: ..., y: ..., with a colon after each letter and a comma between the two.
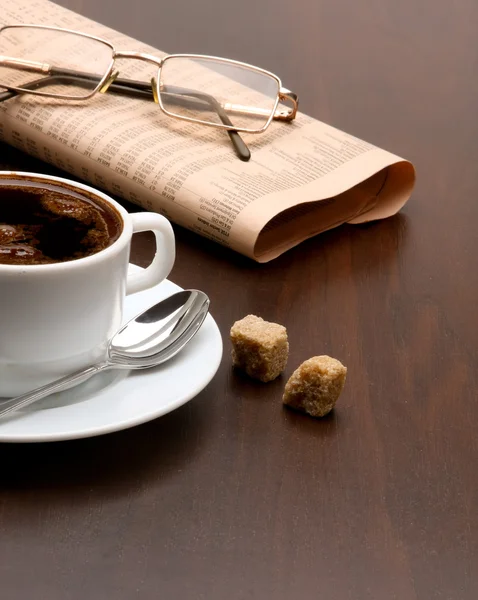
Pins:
x: 54, y: 58
x: 213, y: 91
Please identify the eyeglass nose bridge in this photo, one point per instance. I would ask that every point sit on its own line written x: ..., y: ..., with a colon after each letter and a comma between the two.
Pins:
x: 139, y: 56
x: 158, y: 62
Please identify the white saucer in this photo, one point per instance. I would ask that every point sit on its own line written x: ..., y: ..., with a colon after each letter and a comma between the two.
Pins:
x: 116, y: 399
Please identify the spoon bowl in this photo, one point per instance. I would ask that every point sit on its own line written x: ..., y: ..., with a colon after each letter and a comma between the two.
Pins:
x: 157, y: 334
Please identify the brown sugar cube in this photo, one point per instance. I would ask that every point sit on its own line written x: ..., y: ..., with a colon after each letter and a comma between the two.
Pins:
x: 315, y: 385
x: 259, y: 348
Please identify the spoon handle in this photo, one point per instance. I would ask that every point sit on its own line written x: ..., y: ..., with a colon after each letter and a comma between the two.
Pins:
x: 50, y: 388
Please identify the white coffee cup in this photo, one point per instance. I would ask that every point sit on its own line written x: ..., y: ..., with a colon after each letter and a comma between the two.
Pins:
x: 57, y: 318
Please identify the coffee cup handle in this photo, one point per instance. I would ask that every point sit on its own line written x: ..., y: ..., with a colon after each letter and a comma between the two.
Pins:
x: 164, y: 256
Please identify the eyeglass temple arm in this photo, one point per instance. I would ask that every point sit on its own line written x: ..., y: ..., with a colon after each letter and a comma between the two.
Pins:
x: 177, y: 96
x: 133, y: 88
x: 282, y: 113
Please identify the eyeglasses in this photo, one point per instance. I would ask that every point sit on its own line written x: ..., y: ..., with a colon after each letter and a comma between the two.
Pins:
x: 212, y: 91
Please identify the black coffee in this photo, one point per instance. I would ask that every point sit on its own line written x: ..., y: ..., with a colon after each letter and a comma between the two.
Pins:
x: 42, y: 223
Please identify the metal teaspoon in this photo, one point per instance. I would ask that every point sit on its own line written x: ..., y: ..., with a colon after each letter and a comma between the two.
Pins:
x: 147, y: 340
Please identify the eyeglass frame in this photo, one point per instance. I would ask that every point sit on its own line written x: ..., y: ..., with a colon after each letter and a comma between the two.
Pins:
x: 111, y: 81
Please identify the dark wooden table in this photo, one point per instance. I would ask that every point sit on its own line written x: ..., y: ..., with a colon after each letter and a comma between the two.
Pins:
x: 232, y: 496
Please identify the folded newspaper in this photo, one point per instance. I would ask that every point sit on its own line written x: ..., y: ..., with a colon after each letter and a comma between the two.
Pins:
x: 303, y: 178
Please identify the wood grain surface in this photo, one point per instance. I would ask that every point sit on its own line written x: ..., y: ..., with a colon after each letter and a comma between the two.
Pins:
x: 232, y: 496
